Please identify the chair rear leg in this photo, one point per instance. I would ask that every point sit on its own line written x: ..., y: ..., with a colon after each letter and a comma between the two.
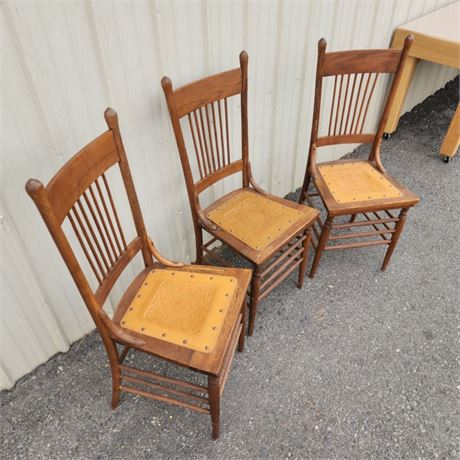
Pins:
x: 395, y: 237
x: 199, y: 245
x: 305, y: 186
x: 255, y: 294
x: 303, y: 264
x: 327, y: 227
x: 214, y: 404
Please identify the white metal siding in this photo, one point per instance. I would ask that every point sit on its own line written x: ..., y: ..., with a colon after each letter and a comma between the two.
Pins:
x: 63, y: 63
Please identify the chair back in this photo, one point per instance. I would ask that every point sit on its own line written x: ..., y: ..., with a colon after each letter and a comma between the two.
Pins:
x: 355, y: 75
x: 202, y: 108
x: 79, y: 194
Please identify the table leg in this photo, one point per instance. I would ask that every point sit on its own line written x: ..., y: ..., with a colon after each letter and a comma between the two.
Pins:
x: 398, y: 101
x: 452, y: 140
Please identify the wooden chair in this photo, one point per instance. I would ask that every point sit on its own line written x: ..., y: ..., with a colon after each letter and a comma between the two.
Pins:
x: 271, y: 233
x: 190, y: 315
x: 352, y: 187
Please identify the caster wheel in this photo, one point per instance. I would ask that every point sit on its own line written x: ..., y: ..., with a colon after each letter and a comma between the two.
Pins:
x: 446, y: 159
x: 386, y: 136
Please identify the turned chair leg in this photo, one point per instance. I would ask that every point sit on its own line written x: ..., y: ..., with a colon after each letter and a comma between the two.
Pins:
x: 214, y: 404
x: 199, y: 245
x: 255, y: 293
x: 243, y: 328
x: 327, y: 227
x: 395, y: 237
x: 303, y: 264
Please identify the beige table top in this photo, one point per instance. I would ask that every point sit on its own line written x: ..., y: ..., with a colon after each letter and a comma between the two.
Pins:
x: 437, y: 36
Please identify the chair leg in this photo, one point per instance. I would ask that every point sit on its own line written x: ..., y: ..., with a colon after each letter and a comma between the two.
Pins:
x: 305, y: 186
x: 327, y: 227
x: 243, y: 328
x: 116, y: 383
x: 255, y: 293
x: 199, y: 245
x: 214, y: 404
x: 303, y: 264
x: 395, y: 237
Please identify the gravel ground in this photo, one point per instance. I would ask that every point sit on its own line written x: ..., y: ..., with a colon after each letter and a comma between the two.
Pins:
x: 357, y: 364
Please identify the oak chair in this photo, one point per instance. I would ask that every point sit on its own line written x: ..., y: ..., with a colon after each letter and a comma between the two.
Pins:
x: 271, y: 233
x: 352, y: 187
x: 189, y: 315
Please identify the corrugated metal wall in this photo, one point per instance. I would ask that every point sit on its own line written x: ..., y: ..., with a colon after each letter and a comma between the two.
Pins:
x: 64, y: 62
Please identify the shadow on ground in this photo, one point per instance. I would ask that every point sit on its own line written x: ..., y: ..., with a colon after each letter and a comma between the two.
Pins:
x: 357, y: 364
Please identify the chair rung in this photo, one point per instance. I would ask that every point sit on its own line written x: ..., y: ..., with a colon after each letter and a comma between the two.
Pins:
x: 280, y: 279
x: 360, y: 234
x: 162, y: 378
x: 157, y: 397
x: 362, y: 223
x: 211, y: 241
x: 163, y: 388
x: 356, y: 245
x: 297, y: 245
x: 281, y: 268
x: 389, y: 214
x: 216, y: 257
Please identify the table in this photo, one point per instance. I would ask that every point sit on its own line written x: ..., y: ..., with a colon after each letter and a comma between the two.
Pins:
x: 436, y: 39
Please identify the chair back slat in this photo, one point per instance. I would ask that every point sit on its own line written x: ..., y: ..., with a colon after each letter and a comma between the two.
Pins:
x: 209, y: 138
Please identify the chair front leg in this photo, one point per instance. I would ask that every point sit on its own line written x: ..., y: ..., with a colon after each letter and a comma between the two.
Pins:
x: 255, y: 294
x: 395, y: 237
x: 327, y: 227
x: 303, y: 264
x: 214, y: 404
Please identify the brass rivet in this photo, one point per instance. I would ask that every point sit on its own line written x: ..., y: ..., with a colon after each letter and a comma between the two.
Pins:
x: 221, y: 310
x: 131, y: 309
x: 184, y: 341
x: 138, y: 296
x: 206, y: 347
x: 173, y: 273
x: 164, y: 334
x: 145, y: 284
x: 192, y: 276
x: 123, y: 322
x: 211, y: 277
x: 214, y: 328
x: 142, y: 329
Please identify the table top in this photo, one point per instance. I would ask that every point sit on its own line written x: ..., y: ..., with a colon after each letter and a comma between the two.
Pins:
x: 442, y: 24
